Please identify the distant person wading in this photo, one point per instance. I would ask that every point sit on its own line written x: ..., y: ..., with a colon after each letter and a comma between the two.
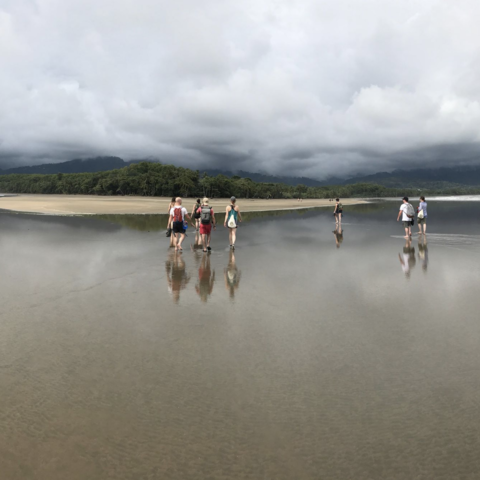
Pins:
x: 177, y: 220
x: 207, y: 220
x: 196, y: 215
x: 338, y: 211
x: 422, y: 216
x: 232, y: 219
x: 408, y: 214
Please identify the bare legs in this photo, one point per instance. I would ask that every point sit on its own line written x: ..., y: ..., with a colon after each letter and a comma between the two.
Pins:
x: 424, y: 232
x: 178, y: 243
x: 206, y: 241
x: 232, y: 235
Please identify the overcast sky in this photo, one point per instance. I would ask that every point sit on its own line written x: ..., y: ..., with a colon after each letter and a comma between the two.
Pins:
x: 300, y: 87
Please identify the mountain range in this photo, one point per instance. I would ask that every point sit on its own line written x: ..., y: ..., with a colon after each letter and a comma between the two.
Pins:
x: 419, y: 178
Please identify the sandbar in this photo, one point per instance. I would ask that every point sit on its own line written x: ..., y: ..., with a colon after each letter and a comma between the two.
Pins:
x: 96, y: 205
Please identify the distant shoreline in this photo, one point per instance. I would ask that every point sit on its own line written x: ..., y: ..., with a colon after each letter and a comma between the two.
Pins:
x: 132, y: 205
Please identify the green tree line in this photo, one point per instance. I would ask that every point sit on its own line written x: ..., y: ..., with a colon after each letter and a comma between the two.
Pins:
x: 154, y: 179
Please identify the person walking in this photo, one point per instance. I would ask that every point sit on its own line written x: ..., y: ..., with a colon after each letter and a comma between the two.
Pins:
x: 169, y: 223
x: 337, y: 212
x: 232, y: 219
x: 408, y: 213
x: 196, y: 215
x: 422, y: 216
x: 177, y: 219
x: 207, y: 220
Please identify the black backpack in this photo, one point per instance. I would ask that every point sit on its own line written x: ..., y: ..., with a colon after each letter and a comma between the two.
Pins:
x: 206, y: 215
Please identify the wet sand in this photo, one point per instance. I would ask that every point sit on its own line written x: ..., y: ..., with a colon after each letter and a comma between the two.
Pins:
x: 92, y: 205
x: 305, y: 354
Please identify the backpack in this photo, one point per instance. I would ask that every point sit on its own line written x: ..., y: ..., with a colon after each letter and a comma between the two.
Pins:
x: 177, y: 214
x: 206, y: 215
x: 410, y: 211
x: 232, y: 214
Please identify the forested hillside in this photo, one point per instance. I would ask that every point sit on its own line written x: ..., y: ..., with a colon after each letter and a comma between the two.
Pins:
x: 155, y: 179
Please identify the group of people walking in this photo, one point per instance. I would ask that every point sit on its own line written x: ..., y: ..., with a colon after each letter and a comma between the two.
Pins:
x: 407, y: 212
x: 203, y: 219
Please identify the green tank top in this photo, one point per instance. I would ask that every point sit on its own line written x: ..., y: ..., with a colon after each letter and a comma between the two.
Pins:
x: 233, y: 213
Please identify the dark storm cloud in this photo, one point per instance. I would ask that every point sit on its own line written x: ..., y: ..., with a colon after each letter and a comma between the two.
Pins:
x: 313, y: 87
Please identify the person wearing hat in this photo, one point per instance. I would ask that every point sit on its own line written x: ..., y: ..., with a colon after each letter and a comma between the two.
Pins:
x: 207, y: 219
x: 232, y: 219
x: 408, y: 214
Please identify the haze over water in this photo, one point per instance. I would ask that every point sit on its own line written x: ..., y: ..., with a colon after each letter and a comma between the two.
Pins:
x: 303, y: 355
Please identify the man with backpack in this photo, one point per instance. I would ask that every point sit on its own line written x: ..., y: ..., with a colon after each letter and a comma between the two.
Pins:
x: 207, y: 219
x: 177, y: 220
x: 408, y: 214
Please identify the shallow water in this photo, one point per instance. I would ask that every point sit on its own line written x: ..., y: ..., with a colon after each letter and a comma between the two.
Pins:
x: 303, y: 355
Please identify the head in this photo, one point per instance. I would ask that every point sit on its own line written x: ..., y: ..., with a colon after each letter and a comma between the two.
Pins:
x: 337, y: 199
x: 422, y: 198
x: 205, y: 201
x: 174, y: 199
x: 198, y: 200
x: 178, y: 200
x: 405, y: 199
x: 233, y: 199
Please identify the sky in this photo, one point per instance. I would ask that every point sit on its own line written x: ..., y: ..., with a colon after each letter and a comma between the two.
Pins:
x: 291, y: 87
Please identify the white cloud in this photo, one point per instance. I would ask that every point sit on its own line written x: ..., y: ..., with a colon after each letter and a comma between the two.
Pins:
x: 307, y: 87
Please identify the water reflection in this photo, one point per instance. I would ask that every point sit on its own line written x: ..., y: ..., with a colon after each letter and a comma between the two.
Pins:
x: 177, y: 276
x: 232, y: 275
x: 423, y: 252
x: 206, y: 278
x: 338, y: 233
x: 197, y: 241
x: 407, y: 258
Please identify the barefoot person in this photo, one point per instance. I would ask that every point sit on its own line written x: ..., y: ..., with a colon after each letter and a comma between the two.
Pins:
x: 338, y: 212
x: 407, y: 212
x: 177, y: 219
x: 232, y: 219
x: 422, y: 216
x: 196, y: 215
x: 207, y: 220
x: 169, y: 224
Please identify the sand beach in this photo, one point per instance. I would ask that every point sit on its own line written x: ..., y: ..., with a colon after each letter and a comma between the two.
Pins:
x: 94, y: 204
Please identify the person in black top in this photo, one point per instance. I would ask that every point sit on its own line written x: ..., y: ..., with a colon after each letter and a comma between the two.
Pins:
x: 337, y: 212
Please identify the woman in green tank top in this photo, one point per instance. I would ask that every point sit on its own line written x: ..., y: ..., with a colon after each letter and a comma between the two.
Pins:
x: 232, y: 218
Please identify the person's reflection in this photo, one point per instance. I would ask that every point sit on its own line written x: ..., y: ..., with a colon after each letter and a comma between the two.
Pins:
x: 232, y: 275
x: 206, y: 278
x: 197, y: 243
x: 177, y: 276
x: 423, y: 252
x: 338, y: 233
x: 407, y: 259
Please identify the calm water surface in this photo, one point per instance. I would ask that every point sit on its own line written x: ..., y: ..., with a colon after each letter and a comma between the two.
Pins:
x: 304, y: 355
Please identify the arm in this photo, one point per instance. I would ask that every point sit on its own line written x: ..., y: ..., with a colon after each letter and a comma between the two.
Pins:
x: 226, y: 217
x: 399, y: 213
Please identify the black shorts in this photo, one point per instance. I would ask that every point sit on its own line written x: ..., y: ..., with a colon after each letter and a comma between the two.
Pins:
x: 177, y: 227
